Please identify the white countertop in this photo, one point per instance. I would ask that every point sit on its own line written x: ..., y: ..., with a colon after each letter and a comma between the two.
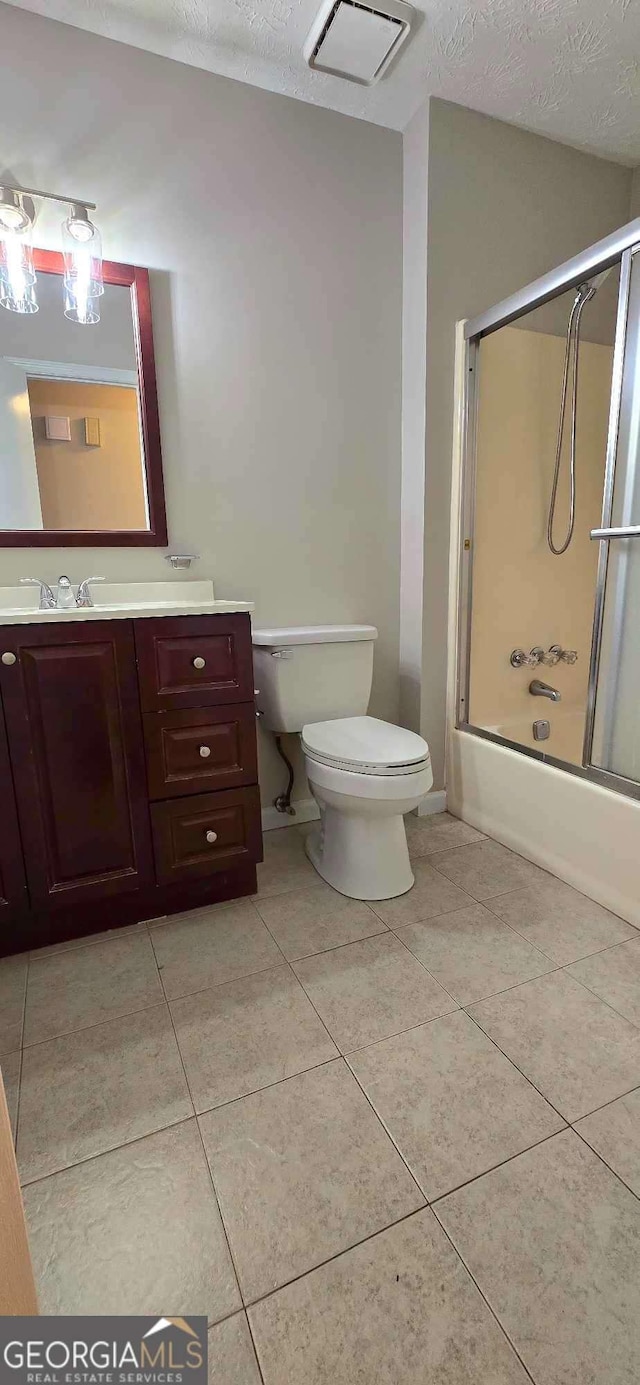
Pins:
x: 120, y: 601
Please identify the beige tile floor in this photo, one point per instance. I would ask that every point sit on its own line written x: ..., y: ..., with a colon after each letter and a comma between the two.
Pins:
x: 396, y: 1143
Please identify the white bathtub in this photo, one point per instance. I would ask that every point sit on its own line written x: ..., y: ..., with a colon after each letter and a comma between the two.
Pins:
x: 582, y: 832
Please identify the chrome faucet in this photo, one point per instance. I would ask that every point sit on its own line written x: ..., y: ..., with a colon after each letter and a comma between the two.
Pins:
x: 47, y: 598
x: 539, y: 689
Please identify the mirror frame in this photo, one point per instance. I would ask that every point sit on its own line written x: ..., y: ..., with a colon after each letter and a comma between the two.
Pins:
x: 137, y: 281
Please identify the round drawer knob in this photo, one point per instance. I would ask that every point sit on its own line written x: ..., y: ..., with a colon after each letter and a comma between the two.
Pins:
x: 211, y: 836
x: 8, y: 658
x: 205, y: 751
x: 198, y: 662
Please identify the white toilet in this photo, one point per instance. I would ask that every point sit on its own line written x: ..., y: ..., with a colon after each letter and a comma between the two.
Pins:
x: 365, y: 774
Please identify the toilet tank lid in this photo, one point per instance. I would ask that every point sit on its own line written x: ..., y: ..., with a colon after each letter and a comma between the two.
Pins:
x: 313, y: 634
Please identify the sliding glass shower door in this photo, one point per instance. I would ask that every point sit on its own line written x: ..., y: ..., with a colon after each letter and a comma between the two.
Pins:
x: 612, y: 740
x: 549, y: 588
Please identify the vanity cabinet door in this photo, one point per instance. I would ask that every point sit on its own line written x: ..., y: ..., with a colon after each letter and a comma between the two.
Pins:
x: 75, y: 738
x: 13, y: 885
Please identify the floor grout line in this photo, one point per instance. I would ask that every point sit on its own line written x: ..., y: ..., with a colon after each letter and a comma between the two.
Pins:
x: 102, y: 1153
x: 501, y: 1164
x: 597, y: 1153
x: 364, y: 1240
x: 95, y: 1024
x: 483, y: 1296
x: 213, y: 1186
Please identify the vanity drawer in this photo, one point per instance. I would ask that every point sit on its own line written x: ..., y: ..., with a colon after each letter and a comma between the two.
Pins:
x: 194, y: 661
x: 194, y: 837
x: 198, y: 749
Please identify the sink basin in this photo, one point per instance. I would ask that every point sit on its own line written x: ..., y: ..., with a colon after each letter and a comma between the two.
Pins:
x: 113, y: 600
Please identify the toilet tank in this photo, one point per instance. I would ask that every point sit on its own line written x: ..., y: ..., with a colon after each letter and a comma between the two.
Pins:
x: 312, y: 673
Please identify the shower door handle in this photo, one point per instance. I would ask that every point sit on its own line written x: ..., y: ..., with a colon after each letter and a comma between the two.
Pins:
x: 631, y: 531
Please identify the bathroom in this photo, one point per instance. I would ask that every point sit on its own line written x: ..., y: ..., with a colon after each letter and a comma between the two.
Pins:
x: 310, y: 264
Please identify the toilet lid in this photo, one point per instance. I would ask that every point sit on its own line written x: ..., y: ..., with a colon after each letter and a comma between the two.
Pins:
x: 365, y: 745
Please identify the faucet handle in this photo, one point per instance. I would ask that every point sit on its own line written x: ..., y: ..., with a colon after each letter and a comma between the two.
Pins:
x: 84, y: 595
x: 47, y: 598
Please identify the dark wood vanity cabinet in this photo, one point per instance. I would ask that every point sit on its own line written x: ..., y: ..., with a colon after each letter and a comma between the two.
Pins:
x: 113, y: 813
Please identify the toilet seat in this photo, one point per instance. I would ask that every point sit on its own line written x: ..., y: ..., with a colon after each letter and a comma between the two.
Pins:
x: 366, y: 745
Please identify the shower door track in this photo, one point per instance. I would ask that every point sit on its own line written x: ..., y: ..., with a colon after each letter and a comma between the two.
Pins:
x: 603, y: 255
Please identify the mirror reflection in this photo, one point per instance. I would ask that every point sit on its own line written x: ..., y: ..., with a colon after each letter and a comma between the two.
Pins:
x: 71, y: 444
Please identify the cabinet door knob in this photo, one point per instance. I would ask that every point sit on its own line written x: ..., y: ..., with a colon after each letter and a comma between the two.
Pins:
x: 8, y: 657
x: 205, y: 751
x: 211, y: 836
x: 198, y: 662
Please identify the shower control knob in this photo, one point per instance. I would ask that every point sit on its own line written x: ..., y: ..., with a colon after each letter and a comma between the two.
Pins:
x: 211, y: 836
x: 198, y: 662
x: 205, y: 751
x: 519, y: 659
x: 9, y: 657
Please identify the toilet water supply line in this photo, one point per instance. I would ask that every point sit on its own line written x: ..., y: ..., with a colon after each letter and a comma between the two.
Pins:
x: 283, y: 802
x: 584, y: 294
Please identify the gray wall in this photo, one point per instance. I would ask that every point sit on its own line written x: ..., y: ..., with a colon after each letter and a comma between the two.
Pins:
x: 504, y: 207
x: 274, y: 232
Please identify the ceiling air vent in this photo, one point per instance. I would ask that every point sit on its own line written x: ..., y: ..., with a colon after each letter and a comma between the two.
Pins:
x: 357, y: 41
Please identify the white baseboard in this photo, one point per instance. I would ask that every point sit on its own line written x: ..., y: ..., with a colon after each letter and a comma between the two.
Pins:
x: 306, y: 811
x: 435, y: 802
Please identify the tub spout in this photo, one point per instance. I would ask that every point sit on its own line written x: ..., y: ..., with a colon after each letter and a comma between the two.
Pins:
x: 539, y: 689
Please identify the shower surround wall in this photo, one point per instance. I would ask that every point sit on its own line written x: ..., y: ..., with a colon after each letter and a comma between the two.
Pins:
x: 522, y: 594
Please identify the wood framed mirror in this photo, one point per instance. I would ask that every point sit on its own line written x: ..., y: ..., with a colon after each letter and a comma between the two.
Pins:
x: 80, y: 457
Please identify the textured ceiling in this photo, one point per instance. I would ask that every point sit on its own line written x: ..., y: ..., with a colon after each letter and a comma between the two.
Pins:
x: 569, y: 69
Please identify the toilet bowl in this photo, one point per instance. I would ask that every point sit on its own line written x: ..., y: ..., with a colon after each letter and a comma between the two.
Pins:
x: 364, y: 774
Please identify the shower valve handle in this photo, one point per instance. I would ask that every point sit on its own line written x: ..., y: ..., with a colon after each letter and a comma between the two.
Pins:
x: 519, y: 659
x: 560, y: 655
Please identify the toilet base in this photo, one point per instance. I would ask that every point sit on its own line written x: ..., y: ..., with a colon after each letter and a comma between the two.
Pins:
x: 361, y: 857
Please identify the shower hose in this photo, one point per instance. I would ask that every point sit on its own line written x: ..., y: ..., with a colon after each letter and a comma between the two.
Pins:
x: 584, y: 294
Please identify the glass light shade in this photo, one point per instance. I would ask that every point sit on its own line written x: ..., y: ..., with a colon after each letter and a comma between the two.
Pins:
x: 82, y: 249
x: 82, y: 307
x: 28, y: 303
x: 17, y: 274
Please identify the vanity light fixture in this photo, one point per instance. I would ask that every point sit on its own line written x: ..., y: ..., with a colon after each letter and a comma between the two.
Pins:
x: 82, y: 248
